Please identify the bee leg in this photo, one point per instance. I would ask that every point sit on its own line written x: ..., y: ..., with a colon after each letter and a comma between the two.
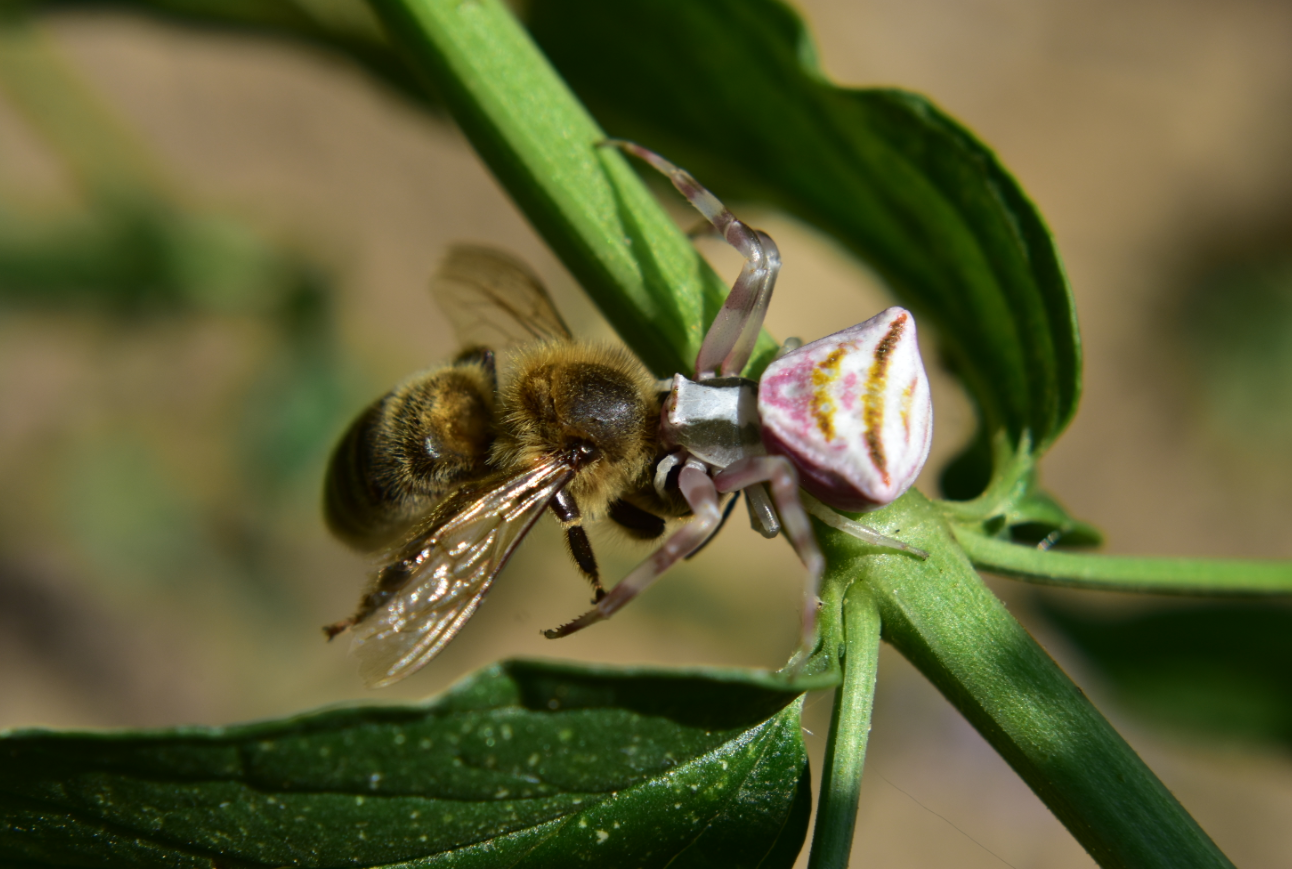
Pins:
x: 567, y: 512
x: 697, y: 488
x: 640, y: 523
x: 730, y: 340
x: 784, y: 480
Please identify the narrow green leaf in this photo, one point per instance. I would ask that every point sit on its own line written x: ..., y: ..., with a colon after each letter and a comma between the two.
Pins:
x: 541, y: 144
x: 940, y: 615
x: 1148, y: 575
x: 729, y: 89
x: 845, y: 752
x: 522, y: 764
x: 537, y: 139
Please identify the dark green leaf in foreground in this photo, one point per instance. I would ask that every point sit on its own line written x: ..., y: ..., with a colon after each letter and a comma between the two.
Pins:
x: 729, y: 89
x: 522, y: 764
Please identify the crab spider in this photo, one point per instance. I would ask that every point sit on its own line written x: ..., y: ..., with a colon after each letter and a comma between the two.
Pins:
x: 848, y: 418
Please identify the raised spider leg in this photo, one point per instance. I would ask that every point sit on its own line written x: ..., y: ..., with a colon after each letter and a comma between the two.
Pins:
x: 784, y: 480
x: 697, y: 488
x: 864, y: 533
x: 730, y: 340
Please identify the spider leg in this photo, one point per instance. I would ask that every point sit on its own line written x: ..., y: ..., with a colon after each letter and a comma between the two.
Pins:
x: 730, y: 340
x: 864, y: 533
x: 726, y: 514
x: 762, y: 518
x: 697, y: 488
x: 784, y: 480
x: 664, y: 468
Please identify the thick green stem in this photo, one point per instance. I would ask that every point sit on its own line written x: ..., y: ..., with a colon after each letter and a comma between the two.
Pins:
x: 586, y: 201
x: 1191, y: 576
x: 948, y: 624
x: 845, y: 753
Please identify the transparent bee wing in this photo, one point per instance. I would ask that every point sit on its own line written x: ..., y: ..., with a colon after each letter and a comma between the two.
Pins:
x: 469, y: 539
x: 493, y: 300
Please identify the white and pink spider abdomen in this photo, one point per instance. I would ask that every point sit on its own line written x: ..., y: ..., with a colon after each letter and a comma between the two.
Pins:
x: 852, y: 411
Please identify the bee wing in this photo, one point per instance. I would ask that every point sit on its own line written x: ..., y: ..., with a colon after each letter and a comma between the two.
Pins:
x: 469, y: 539
x: 493, y: 300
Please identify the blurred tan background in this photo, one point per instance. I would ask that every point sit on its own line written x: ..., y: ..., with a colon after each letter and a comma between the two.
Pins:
x: 146, y: 580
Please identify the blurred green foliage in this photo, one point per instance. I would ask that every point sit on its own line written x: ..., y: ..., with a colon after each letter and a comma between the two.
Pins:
x: 1234, y: 330
x: 135, y: 256
x: 1215, y: 672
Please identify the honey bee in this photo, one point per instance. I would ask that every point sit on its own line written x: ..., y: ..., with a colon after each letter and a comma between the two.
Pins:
x: 444, y: 475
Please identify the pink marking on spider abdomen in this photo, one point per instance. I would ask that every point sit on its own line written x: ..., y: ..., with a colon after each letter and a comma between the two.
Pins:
x: 788, y: 390
x: 852, y: 411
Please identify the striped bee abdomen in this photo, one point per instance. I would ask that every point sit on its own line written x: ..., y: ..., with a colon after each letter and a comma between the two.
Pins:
x: 406, y: 450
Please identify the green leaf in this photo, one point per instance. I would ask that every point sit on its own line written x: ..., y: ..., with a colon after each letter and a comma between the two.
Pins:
x: 1142, y: 574
x: 730, y: 89
x: 1221, y: 670
x: 1015, y: 507
x: 523, y: 764
x: 586, y: 201
x: 541, y: 144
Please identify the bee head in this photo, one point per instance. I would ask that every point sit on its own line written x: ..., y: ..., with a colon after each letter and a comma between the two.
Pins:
x: 592, y: 405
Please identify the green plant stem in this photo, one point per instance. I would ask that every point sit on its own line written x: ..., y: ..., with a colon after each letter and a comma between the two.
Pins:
x: 1191, y: 576
x: 940, y: 615
x: 845, y: 753
x: 585, y: 201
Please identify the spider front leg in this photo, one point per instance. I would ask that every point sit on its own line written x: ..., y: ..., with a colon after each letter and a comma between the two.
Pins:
x: 784, y: 480
x: 697, y: 488
x: 730, y: 340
